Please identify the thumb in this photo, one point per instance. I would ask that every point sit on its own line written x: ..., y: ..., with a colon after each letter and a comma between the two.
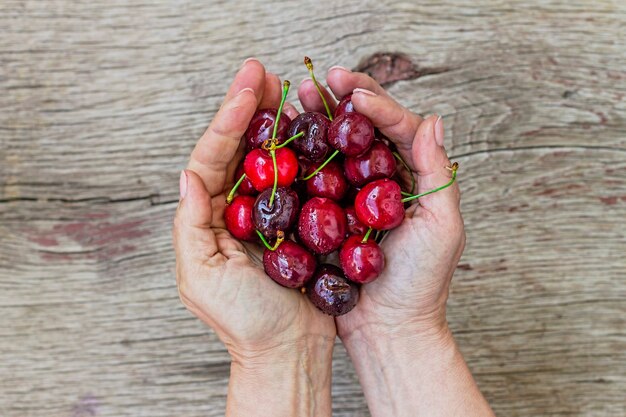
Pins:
x: 193, y: 235
x: 431, y: 164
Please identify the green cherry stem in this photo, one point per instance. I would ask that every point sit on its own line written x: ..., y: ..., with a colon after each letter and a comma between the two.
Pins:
x: 280, y: 237
x: 309, y: 65
x: 286, y: 85
x: 406, y: 166
x: 288, y: 141
x: 272, y: 149
x: 273, y: 154
x: 454, y: 168
x: 367, y: 235
x: 404, y: 193
x: 231, y: 195
x: 311, y: 175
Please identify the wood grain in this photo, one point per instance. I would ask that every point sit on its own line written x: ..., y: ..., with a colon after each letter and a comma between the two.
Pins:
x: 102, y: 102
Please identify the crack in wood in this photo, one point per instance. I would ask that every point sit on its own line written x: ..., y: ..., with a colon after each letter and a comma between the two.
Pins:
x: 388, y: 68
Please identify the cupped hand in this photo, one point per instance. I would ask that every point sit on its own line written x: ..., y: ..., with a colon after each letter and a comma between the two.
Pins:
x: 219, y: 279
x: 409, y: 297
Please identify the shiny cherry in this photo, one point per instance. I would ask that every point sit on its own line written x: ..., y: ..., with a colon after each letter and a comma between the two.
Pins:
x: 331, y: 292
x: 238, y: 218
x: 355, y: 227
x: 290, y: 264
x: 314, y: 144
x: 375, y: 163
x: 362, y: 262
x: 246, y: 187
x: 281, y: 215
x: 259, y: 168
x: 345, y: 106
x: 329, y: 182
x: 378, y: 205
x: 322, y: 225
x: 261, y: 128
x: 351, y: 133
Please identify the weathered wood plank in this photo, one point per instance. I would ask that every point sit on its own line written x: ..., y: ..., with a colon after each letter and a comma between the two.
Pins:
x: 102, y: 103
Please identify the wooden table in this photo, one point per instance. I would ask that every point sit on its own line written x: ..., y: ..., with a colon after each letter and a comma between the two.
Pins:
x: 101, y: 103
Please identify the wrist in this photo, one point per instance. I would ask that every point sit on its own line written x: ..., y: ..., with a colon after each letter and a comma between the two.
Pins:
x: 291, y: 379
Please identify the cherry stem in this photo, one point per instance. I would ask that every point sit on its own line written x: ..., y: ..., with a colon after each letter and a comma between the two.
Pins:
x: 286, y: 85
x: 272, y: 147
x: 404, y: 193
x: 309, y: 65
x: 406, y: 166
x: 454, y: 168
x: 311, y: 175
x: 231, y: 195
x: 273, y: 153
x: 367, y: 235
x: 288, y: 141
x: 280, y: 237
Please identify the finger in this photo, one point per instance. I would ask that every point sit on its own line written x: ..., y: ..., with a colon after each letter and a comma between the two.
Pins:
x: 393, y: 120
x: 217, y: 147
x: 310, y: 97
x: 272, y: 93
x: 431, y: 161
x: 250, y: 75
x: 342, y: 82
x: 290, y: 110
x: 194, y: 240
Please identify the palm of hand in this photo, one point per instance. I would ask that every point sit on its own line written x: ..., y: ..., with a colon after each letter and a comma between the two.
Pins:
x: 421, y: 256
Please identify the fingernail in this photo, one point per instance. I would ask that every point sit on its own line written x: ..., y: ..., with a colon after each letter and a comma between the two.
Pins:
x: 244, y: 90
x: 183, y: 184
x: 439, y: 131
x: 364, y: 91
x: 249, y: 60
x: 334, y: 67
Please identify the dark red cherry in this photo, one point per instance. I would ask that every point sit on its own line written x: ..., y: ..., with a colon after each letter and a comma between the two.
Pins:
x: 281, y: 215
x: 314, y: 143
x: 329, y: 182
x: 322, y: 225
x: 246, y: 187
x: 375, y: 163
x: 378, y: 205
x: 261, y: 128
x: 290, y: 264
x: 238, y: 218
x: 362, y: 262
x: 345, y: 106
x: 331, y: 292
x: 351, y: 133
x: 355, y: 227
x: 259, y: 168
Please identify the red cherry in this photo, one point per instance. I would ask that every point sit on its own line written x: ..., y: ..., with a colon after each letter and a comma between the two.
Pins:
x: 329, y: 182
x: 344, y: 106
x: 376, y: 163
x: 259, y: 168
x: 246, y: 187
x: 238, y: 218
x: 322, y: 225
x: 290, y: 264
x: 331, y: 292
x: 355, y: 227
x: 261, y: 128
x: 378, y: 205
x: 362, y: 262
x: 351, y: 133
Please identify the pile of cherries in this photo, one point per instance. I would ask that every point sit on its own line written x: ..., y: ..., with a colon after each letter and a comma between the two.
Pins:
x: 315, y: 185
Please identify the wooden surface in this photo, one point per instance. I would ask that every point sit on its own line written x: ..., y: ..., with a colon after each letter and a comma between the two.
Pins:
x: 101, y: 103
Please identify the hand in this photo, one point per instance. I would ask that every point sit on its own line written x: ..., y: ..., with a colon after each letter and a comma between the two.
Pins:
x: 221, y: 281
x: 422, y: 254
x: 397, y: 335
